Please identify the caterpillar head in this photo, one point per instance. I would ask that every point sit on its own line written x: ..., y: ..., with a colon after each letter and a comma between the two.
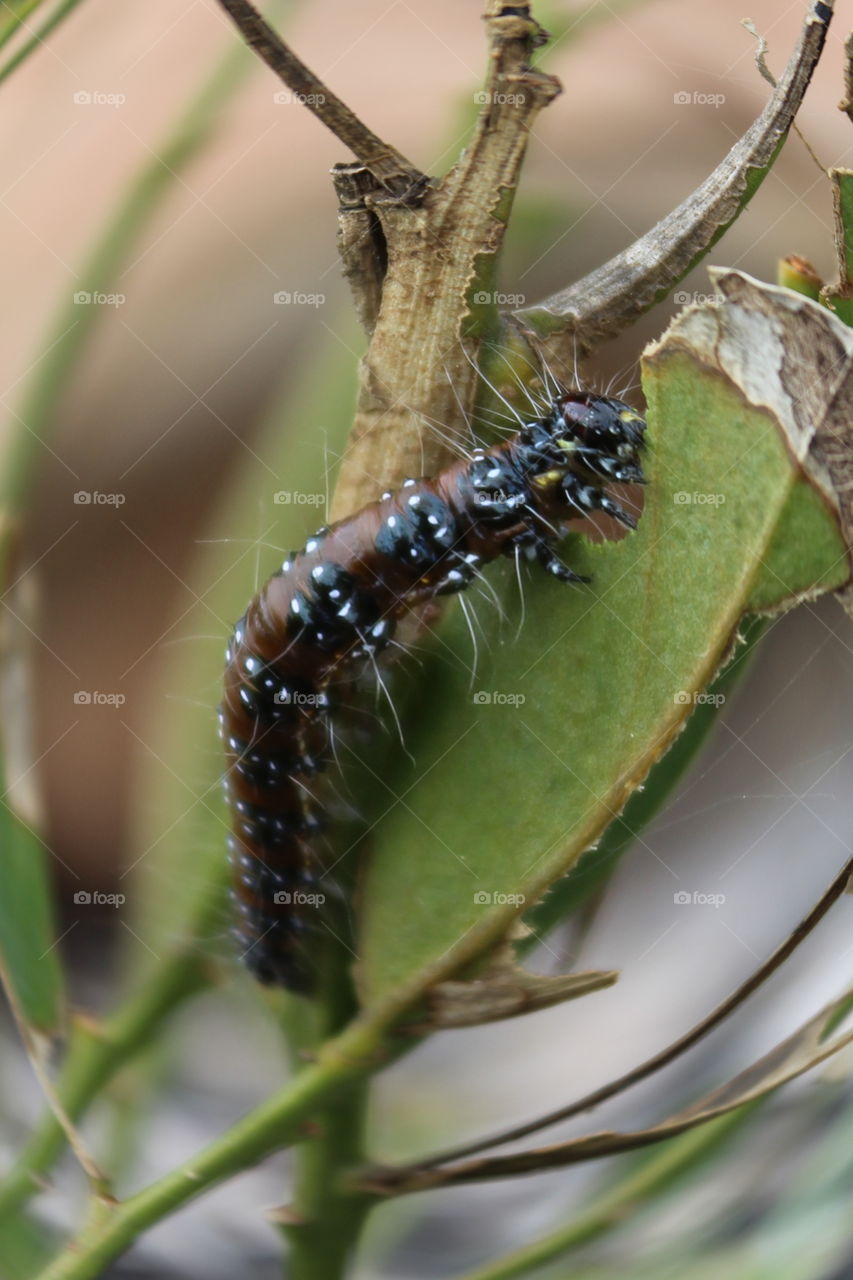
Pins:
x: 585, y: 443
x: 599, y: 435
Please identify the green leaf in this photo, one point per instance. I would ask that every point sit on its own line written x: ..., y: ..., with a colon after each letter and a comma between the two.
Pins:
x: 595, y: 867
x: 30, y: 961
x: 63, y: 10
x: 506, y: 794
x: 29, y: 958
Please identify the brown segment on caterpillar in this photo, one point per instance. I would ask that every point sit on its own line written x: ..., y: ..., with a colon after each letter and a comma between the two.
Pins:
x: 333, y: 607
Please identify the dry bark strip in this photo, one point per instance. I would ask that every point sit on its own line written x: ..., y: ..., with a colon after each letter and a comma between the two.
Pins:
x: 808, y: 1047
x: 611, y: 298
x: 437, y: 252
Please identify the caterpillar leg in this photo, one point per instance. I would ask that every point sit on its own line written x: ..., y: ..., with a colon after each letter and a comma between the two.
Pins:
x: 461, y: 572
x: 537, y: 546
x: 458, y: 571
x: 586, y: 498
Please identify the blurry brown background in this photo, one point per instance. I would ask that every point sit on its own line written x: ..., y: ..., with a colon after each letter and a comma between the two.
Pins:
x: 175, y: 382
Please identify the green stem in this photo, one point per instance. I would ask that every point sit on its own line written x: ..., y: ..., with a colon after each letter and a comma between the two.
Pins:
x: 654, y: 1177
x: 324, y: 1223
x: 327, y: 1219
x: 18, y: 16
x: 95, y: 1054
x: 38, y: 39
x: 277, y: 1123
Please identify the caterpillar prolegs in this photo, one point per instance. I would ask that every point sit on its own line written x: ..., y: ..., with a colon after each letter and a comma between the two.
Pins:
x: 334, y: 606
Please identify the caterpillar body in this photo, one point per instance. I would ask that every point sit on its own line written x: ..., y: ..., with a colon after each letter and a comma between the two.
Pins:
x: 333, y: 607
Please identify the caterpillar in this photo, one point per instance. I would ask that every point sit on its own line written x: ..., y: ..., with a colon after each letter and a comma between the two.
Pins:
x: 333, y: 607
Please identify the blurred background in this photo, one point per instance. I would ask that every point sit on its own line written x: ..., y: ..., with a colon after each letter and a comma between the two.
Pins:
x: 190, y: 385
